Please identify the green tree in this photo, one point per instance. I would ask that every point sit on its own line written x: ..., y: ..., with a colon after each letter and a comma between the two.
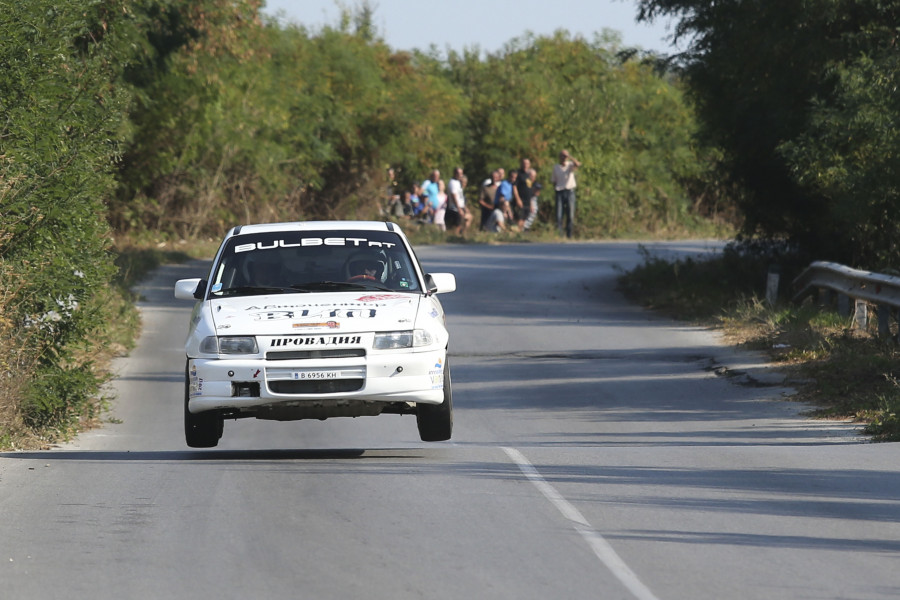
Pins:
x: 630, y: 125
x: 188, y: 122
x: 277, y: 123
x: 848, y: 154
x: 798, y: 95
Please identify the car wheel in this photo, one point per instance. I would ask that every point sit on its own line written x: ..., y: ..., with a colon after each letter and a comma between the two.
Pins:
x: 203, y: 430
x: 435, y: 421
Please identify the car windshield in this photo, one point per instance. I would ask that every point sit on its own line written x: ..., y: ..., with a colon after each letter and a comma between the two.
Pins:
x: 311, y: 261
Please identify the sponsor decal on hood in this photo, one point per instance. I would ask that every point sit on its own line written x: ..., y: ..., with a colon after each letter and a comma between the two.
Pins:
x: 380, y: 297
x: 288, y: 313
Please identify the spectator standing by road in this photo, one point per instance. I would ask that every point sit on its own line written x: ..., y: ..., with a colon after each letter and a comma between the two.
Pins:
x: 532, y: 213
x: 522, y: 193
x: 430, y: 191
x: 488, y: 193
x: 506, y: 193
x: 457, y: 216
x: 563, y: 180
x: 440, y: 209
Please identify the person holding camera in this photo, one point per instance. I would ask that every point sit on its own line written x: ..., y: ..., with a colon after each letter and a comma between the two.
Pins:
x: 563, y: 180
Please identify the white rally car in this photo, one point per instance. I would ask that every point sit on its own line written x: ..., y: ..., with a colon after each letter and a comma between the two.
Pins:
x: 316, y: 320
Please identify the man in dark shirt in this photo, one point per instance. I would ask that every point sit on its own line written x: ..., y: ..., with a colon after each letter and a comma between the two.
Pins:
x: 522, y: 200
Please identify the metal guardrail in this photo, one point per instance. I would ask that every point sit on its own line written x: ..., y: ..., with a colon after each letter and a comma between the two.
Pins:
x: 844, y: 284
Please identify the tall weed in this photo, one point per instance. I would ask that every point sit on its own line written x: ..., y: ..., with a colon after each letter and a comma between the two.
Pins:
x: 18, y: 357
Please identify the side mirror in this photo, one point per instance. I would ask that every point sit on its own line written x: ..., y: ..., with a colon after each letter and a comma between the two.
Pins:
x: 440, y: 283
x: 201, y: 289
x: 190, y: 289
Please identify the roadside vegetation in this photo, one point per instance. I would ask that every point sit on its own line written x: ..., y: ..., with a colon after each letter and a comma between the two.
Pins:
x: 59, y: 402
x: 131, y: 128
x: 840, y: 371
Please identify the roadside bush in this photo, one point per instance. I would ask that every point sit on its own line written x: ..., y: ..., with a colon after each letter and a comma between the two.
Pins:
x: 60, y: 65
x: 59, y: 396
x: 706, y: 287
x: 17, y: 356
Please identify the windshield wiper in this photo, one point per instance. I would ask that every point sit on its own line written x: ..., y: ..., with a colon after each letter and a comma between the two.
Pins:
x: 255, y: 290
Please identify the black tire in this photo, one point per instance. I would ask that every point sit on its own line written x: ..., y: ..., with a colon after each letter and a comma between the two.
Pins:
x: 435, y: 421
x: 203, y: 430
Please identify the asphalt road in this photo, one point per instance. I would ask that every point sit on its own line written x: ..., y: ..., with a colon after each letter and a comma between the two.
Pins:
x: 596, y: 454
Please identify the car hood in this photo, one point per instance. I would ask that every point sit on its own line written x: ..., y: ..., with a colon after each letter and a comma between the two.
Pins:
x: 308, y: 313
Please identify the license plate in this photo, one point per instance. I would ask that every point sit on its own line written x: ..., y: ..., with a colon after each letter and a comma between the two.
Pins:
x: 307, y: 375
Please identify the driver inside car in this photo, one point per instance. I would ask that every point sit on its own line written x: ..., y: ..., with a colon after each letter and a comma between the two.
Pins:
x: 365, y: 270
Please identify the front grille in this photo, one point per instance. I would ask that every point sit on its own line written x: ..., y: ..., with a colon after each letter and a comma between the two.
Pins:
x: 308, y: 354
x: 330, y: 386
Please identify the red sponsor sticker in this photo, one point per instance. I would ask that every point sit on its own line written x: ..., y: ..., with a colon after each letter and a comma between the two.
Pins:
x: 379, y: 297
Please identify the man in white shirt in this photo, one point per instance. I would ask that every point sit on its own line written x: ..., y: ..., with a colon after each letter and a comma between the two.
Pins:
x: 563, y: 180
x: 458, y: 215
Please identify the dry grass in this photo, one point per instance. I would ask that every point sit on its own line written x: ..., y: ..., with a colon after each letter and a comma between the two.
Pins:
x: 15, y: 362
x: 841, y: 370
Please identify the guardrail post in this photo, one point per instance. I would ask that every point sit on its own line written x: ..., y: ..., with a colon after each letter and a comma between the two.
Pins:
x: 861, y: 313
x: 772, y: 284
x: 884, y: 320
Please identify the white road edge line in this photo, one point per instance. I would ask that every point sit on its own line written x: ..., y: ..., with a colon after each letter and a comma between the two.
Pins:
x: 598, y: 544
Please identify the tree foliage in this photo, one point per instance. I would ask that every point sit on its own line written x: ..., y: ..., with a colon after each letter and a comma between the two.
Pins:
x: 847, y: 156
x: 303, y: 124
x: 802, y: 98
x: 297, y: 125
x: 631, y: 127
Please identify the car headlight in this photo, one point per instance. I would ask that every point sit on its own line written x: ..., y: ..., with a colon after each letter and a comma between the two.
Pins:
x: 403, y: 339
x: 229, y: 345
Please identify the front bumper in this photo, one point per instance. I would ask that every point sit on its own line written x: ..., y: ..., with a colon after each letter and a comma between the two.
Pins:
x: 315, y: 388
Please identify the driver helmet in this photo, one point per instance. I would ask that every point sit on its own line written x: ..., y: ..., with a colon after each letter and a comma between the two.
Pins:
x: 367, y: 262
